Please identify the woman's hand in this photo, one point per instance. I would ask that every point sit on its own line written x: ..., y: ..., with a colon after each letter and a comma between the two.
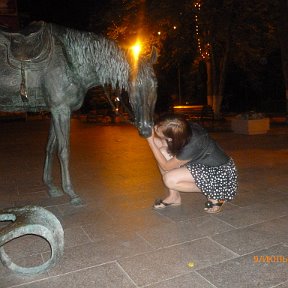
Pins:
x: 151, y: 138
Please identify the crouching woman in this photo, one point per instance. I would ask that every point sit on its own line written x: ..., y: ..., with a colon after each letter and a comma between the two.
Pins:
x: 190, y: 161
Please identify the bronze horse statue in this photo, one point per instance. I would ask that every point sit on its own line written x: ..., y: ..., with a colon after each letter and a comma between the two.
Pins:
x: 46, y: 67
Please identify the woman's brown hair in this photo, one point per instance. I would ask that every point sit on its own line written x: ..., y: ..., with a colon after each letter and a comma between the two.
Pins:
x: 176, y: 128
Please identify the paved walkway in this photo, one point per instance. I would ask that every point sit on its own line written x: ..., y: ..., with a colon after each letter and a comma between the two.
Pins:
x: 117, y: 240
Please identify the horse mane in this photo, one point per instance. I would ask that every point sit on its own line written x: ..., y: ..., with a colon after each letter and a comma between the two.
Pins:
x: 94, y: 55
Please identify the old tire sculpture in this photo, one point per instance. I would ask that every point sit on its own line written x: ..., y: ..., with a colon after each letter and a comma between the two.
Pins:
x: 31, y: 220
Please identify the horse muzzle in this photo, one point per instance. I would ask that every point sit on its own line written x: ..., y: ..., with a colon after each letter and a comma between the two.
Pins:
x: 145, y: 130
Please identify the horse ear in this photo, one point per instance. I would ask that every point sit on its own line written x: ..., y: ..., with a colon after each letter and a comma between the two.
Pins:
x: 153, y: 55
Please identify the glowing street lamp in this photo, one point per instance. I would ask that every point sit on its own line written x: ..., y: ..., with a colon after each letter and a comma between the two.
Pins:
x: 136, y: 49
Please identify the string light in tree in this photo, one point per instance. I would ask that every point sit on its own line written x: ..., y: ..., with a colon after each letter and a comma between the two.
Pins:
x: 203, y: 54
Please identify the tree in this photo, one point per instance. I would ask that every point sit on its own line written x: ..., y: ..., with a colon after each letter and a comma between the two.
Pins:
x: 217, y: 22
x: 238, y: 33
x: 282, y: 28
x: 221, y: 34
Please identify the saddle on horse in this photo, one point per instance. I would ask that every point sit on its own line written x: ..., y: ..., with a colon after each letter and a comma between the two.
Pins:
x: 28, y: 48
x: 31, y: 43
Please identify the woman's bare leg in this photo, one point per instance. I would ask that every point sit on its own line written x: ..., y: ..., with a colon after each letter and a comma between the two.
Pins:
x: 179, y: 180
x: 174, y: 195
x: 182, y: 180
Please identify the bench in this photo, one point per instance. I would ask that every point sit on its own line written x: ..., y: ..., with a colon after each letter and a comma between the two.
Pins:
x: 201, y: 113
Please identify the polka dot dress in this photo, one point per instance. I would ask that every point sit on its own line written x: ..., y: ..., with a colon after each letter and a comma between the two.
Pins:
x: 218, y: 183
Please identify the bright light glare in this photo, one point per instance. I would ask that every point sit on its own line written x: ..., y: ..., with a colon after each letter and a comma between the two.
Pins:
x: 136, y: 49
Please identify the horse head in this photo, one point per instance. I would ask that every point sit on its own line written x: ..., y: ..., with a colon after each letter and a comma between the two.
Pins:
x: 143, y: 93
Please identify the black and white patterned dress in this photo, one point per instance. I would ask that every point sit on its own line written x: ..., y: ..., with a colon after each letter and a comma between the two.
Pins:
x: 216, y: 182
x: 213, y: 170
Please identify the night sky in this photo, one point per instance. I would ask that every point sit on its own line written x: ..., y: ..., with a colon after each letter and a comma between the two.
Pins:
x: 70, y: 13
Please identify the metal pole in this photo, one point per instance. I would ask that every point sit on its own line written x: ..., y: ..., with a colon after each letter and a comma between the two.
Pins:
x: 179, y: 85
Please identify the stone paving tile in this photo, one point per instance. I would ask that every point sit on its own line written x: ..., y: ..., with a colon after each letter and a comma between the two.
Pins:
x: 248, y: 239
x: 95, y: 253
x: 183, y: 212
x: 109, y: 276
x: 173, y: 261
x: 244, y: 272
x: 99, y: 232
x: 26, y: 245
x: 9, y: 278
x: 33, y: 188
x: 280, y: 204
x: 39, y: 200
x: 129, y: 222
x: 8, y: 194
x: 184, y: 281
x: 7, y: 185
x: 283, y: 285
x: 130, y: 204
x: 247, y: 198
x: 75, y: 236
x: 117, y: 224
x: 6, y: 202
x: 175, y: 233
x: 141, y: 219
x: 246, y: 185
x: 252, y: 214
x: 78, y: 216
x: 103, y: 198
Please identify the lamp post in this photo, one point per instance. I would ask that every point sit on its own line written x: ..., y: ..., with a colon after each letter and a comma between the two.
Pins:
x: 179, y: 83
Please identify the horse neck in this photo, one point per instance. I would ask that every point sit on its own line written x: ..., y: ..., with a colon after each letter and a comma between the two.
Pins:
x: 95, y: 60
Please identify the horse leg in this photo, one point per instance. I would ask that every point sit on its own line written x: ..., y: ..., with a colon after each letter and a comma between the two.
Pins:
x: 61, y: 123
x: 50, y: 152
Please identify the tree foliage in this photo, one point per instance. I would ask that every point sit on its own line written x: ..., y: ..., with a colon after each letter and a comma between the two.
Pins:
x: 236, y: 33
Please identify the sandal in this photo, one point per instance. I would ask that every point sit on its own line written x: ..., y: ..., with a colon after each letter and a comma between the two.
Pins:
x: 209, y: 205
x: 160, y: 204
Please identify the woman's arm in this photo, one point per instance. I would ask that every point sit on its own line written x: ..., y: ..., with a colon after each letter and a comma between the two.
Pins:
x: 165, y: 164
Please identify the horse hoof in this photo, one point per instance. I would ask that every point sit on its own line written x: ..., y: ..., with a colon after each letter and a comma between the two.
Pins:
x: 55, y: 192
x: 77, y: 201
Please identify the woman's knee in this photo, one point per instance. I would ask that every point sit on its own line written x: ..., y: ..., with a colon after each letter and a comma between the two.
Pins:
x: 169, y: 180
x: 175, y: 178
